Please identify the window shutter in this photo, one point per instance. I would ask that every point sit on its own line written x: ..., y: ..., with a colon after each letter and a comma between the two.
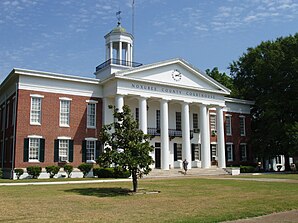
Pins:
x: 226, y: 152
x: 247, y: 154
x: 70, y: 154
x: 84, y: 151
x: 41, y: 150
x: 56, y: 150
x: 26, y: 150
x: 175, y: 151
x: 240, y: 153
x: 98, y: 149
x: 234, y: 153
x: 192, y: 152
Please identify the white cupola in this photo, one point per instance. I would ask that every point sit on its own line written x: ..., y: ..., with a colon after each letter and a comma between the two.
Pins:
x: 119, y: 50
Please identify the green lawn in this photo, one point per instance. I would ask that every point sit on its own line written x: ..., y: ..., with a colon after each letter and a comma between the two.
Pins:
x: 271, y: 175
x: 180, y: 200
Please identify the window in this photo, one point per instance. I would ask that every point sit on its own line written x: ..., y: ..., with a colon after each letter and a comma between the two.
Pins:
x: 213, y: 152
x: 195, y: 121
x: 177, y: 151
x: 64, y: 112
x: 157, y: 119
x: 178, y: 120
x: 35, y: 111
x: 229, y: 148
x: 242, y: 125
x: 91, y: 115
x: 90, y: 150
x: 243, y: 152
x: 195, y: 152
x: 213, y: 122
x: 34, y: 144
x: 229, y: 125
x: 63, y: 150
x: 137, y: 114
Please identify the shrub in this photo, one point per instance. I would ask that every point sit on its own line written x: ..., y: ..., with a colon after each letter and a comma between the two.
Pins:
x: 111, y: 172
x: 247, y: 169
x: 52, y: 170
x: 19, y: 173
x: 121, y: 173
x: 0, y: 173
x: 85, y: 168
x: 34, y: 171
x: 68, y: 169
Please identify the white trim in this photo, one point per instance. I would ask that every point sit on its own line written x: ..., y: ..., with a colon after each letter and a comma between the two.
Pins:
x: 228, y: 115
x: 91, y: 101
x: 36, y: 96
x: 65, y: 99
x: 35, y: 136
x: 91, y: 139
x: 243, y: 143
x: 229, y: 143
x: 64, y: 137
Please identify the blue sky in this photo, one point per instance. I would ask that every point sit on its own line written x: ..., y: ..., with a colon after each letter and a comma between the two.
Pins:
x: 67, y: 36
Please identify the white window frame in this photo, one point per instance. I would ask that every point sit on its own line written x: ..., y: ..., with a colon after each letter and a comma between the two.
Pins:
x: 88, y: 141
x: 195, y: 121
x: 214, y: 151
x: 89, y: 115
x: 231, y: 152
x: 178, y: 119
x: 33, y: 138
x: 64, y: 121
x: 34, y: 110
x: 63, y: 149
x: 242, y: 128
x: 228, y: 125
x: 213, y: 122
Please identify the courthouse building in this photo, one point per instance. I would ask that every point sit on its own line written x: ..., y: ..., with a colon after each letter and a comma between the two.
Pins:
x: 54, y: 119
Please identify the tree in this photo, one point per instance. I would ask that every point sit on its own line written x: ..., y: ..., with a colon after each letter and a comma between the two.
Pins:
x: 268, y: 75
x: 222, y: 78
x: 126, y: 146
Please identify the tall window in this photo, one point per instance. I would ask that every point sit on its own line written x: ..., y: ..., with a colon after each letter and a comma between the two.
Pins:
x: 64, y: 112
x: 34, y: 144
x: 195, y: 152
x: 158, y: 119
x: 243, y: 152
x: 90, y: 150
x: 229, y: 125
x: 91, y: 115
x: 178, y: 120
x: 229, y: 148
x: 177, y: 151
x: 35, y: 111
x: 213, y: 152
x: 195, y: 121
x: 213, y: 122
x: 242, y: 125
x: 63, y: 150
x: 137, y: 115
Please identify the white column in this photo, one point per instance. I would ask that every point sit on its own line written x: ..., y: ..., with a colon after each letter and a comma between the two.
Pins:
x: 128, y: 54
x: 143, y: 114
x: 120, y: 53
x: 107, y: 52
x: 164, y: 134
x: 205, y: 137
x: 107, y: 113
x: 111, y: 51
x: 220, y: 138
x: 119, y: 102
x: 186, y: 151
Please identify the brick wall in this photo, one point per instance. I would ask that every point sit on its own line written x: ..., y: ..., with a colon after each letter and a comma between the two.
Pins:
x: 50, y: 129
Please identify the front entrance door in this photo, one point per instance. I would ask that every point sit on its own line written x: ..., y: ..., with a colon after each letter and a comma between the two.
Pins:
x: 213, y: 151
x: 157, y: 156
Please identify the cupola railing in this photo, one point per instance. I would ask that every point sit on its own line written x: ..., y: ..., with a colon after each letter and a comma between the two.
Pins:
x: 118, y: 62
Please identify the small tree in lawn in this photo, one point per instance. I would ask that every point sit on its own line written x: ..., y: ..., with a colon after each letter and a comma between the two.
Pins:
x: 126, y: 146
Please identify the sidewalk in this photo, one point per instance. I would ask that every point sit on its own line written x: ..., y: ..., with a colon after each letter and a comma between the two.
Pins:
x: 287, y: 217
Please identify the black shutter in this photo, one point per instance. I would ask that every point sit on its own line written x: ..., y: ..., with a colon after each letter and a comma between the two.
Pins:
x: 98, y: 149
x: 26, y: 149
x: 247, y: 154
x: 234, y: 153
x: 226, y: 152
x: 192, y: 152
x: 56, y: 150
x: 41, y: 150
x: 70, y: 150
x: 175, y: 151
x: 84, y: 151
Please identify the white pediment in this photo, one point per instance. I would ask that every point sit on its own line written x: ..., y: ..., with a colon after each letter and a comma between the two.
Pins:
x: 176, y: 73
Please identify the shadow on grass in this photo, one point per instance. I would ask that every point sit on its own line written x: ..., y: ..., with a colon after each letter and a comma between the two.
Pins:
x: 101, y: 192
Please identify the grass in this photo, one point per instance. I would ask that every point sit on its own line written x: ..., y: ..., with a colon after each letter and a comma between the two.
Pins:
x: 291, y: 176
x: 180, y: 200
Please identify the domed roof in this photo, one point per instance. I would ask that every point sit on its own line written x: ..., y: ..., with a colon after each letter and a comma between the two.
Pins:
x: 118, y: 29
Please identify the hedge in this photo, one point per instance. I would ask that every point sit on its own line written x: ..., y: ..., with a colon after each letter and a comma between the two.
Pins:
x: 111, y: 173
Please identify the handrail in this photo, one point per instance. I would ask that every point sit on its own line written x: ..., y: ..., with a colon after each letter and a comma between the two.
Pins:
x: 118, y: 62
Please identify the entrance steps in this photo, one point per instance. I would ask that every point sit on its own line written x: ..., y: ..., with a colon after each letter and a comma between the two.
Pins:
x: 212, y: 171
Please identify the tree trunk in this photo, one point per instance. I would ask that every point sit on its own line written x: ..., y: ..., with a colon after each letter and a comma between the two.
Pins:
x: 134, y: 180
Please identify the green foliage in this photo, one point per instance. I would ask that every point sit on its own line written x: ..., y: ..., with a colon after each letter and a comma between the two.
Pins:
x: 268, y: 74
x: 85, y: 168
x: 52, y: 170
x: 223, y: 79
x: 126, y: 146
x: 247, y: 169
x: 114, y: 172
x: 34, y: 171
x: 0, y: 173
x: 68, y: 169
x: 19, y: 173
